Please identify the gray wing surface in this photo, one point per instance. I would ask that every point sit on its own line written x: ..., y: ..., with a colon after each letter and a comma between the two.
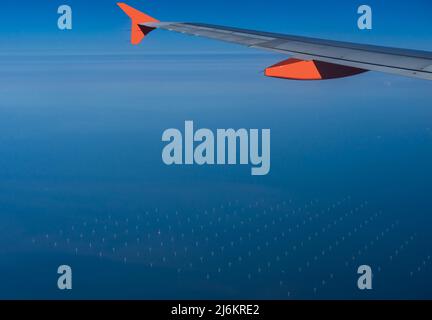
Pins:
x: 410, y: 63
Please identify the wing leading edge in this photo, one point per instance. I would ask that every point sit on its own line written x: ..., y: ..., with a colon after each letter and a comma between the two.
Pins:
x: 311, y: 58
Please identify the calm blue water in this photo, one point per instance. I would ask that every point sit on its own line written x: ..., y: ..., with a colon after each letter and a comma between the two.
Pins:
x: 82, y: 182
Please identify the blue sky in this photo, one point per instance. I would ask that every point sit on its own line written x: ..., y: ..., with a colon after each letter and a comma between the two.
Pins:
x: 99, y: 26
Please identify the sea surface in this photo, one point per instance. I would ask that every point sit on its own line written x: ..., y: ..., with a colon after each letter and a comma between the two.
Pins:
x: 82, y: 181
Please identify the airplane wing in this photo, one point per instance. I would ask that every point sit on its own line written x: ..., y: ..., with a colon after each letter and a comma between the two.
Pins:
x: 311, y: 58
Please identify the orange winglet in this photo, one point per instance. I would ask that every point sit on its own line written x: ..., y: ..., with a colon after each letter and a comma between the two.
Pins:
x: 296, y: 69
x: 137, y: 17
